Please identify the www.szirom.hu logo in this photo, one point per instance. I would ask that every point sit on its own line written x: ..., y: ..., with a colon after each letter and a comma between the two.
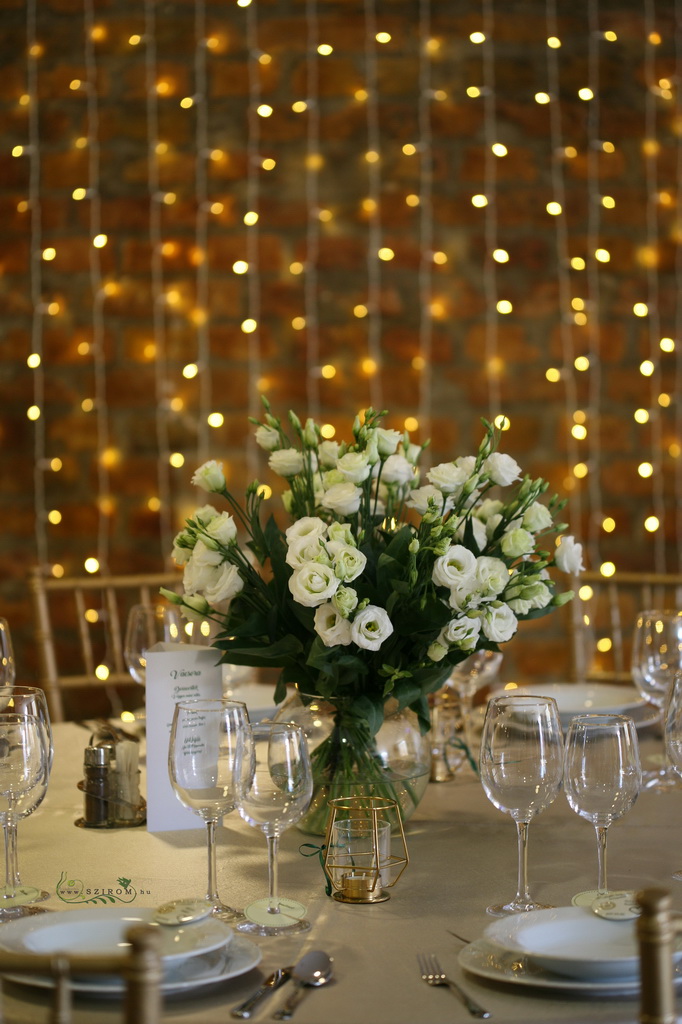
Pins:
x: 74, y: 891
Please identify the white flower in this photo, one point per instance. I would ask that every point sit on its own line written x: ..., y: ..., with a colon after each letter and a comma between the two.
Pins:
x: 183, y: 545
x: 499, y: 623
x: 569, y: 556
x: 349, y: 563
x: 226, y: 584
x: 537, y: 517
x: 200, y: 569
x: 489, y: 507
x: 517, y: 542
x: 286, y: 462
x: 462, y: 632
x: 354, y: 467
x: 222, y: 529
x: 345, y: 600
x: 387, y: 441
x: 194, y: 607
x: 312, y: 584
x: 501, y: 469
x: 331, y: 627
x: 331, y: 477
x: 455, y: 568
x: 397, y: 470
x: 328, y: 453
x: 478, y: 529
x: 467, y: 463
x: 411, y: 452
x: 419, y: 499
x: 436, y: 651
x: 371, y: 627
x: 447, y: 477
x: 344, y: 499
x: 307, y: 549
x: 341, y: 533
x: 310, y: 437
x: 268, y: 438
x: 210, y: 476
x: 492, y: 576
x: 205, y: 514
x: 306, y: 526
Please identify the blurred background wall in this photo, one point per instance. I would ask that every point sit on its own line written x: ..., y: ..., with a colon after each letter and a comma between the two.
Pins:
x: 445, y: 208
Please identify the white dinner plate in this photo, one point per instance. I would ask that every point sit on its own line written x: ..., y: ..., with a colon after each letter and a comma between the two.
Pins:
x: 101, y: 931
x: 487, y: 960
x: 193, y: 972
x: 591, y: 698
x: 571, y: 941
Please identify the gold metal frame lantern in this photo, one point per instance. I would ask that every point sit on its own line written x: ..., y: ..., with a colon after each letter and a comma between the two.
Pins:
x: 361, y: 868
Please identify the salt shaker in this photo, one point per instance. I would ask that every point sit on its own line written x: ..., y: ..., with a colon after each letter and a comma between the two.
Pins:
x: 96, y: 765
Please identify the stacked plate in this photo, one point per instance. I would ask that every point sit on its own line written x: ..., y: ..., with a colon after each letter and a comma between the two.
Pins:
x: 566, y: 948
x: 592, y: 698
x: 200, y: 953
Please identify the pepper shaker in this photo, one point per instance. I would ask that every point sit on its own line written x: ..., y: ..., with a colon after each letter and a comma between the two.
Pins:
x: 96, y: 764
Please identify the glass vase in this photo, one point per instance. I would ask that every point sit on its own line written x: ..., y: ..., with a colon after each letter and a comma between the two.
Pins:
x: 348, y: 761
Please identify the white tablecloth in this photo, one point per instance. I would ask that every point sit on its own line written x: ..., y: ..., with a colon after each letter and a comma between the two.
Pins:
x: 462, y: 857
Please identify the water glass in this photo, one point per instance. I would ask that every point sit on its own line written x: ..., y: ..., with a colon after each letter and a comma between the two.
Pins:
x: 656, y: 658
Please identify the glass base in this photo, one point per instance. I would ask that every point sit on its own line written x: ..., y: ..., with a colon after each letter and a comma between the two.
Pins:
x: 516, y: 906
x: 20, y: 910
x: 261, y: 919
x: 192, y: 908
x: 666, y: 780
x: 22, y: 895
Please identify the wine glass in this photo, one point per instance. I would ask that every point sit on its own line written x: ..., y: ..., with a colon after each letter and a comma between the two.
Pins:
x: 470, y: 676
x: 673, y: 733
x: 203, y: 760
x: 656, y: 657
x: 7, y: 666
x: 275, y: 788
x: 602, y: 774
x: 25, y: 700
x: 521, y: 767
x: 148, y: 625
x: 24, y: 767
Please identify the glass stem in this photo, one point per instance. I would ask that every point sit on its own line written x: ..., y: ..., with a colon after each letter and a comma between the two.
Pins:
x: 212, y: 889
x: 522, y: 894
x: 273, y: 886
x: 601, y: 856
x: 10, y: 831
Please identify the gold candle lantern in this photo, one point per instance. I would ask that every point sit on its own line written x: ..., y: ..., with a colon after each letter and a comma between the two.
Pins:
x: 358, y: 859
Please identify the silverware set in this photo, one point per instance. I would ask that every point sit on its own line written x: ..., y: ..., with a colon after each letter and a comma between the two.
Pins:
x: 311, y: 971
x: 433, y: 974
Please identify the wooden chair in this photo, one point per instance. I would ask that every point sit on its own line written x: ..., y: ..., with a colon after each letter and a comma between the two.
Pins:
x: 80, y: 627
x: 603, y: 615
x: 140, y: 971
x: 657, y: 929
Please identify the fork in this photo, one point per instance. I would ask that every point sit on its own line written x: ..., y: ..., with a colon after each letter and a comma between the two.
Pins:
x: 433, y: 974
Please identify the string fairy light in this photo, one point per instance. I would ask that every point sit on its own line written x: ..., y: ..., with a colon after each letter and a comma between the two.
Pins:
x: 425, y: 149
x: 490, y: 208
x: 252, y: 221
x: 311, y: 279
x: 374, y: 233
x: 203, y: 155
x: 678, y: 308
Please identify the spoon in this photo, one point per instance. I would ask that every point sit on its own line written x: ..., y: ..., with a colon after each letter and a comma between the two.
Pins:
x: 312, y: 970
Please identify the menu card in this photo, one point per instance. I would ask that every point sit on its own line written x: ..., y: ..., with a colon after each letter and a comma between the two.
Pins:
x: 175, y: 672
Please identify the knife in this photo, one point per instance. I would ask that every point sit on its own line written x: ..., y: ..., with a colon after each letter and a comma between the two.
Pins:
x: 276, y: 979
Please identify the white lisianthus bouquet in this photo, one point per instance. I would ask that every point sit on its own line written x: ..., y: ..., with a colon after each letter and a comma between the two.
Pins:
x: 381, y: 582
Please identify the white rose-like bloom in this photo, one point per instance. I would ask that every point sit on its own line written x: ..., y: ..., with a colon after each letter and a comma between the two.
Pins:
x: 387, y: 441
x: 227, y: 583
x: 537, y: 517
x: 210, y: 476
x: 331, y: 627
x: 349, y: 563
x: 200, y: 569
x: 455, y: 568
x: 354, y: 466
x: 479, y: 531
x: 328, y: 453
x: 489, y: 507
x: 194, y: 607
x: 344, y: 499
x: 461, y: 632
x: 436, y: 651
x: 397, y: 470
x: 312, y: 584
x: 307, y: 549
x: 499, y: 624
x: 205, y: 514
x: 569, y: 556
x: 411, y: 453
x: 501, y: 469
x: 341, y: 533
x: 268, y: 438
x: 306, y: 526
x: 183, y: 545
x: 286, y: 462
x: 447, y: 477
x: 371, y: 627
x: 222, y: 528
x: 419, y: 499
x: 491, y: 575
x: 467, y: 463
x: 517, y: 542
x: 345, y: 600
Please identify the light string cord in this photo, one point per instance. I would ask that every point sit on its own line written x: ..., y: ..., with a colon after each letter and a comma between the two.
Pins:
x: 678, y: 279
x: 98, y: 295
x: 593, y: 325
x: 425, y: 221
x: 654, y: 316
x: 374, y: 319
x: 562, y: 253
x: 252, y: 232
x: 157, y: 282
x: 313, y: 219
x: 490, y: 222
x: 36, y: 283
x: 202, y: 313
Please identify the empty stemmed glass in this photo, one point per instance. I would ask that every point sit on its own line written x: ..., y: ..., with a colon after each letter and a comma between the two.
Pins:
x: 602, y: 774
x: 521, y: 768
x: 673, y: 733
x: 275, y: 788
x: 656, y: 657
x: 204, y: 759
x: 24, y: 767
x: 470, y: 676
x: 148, y: 625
